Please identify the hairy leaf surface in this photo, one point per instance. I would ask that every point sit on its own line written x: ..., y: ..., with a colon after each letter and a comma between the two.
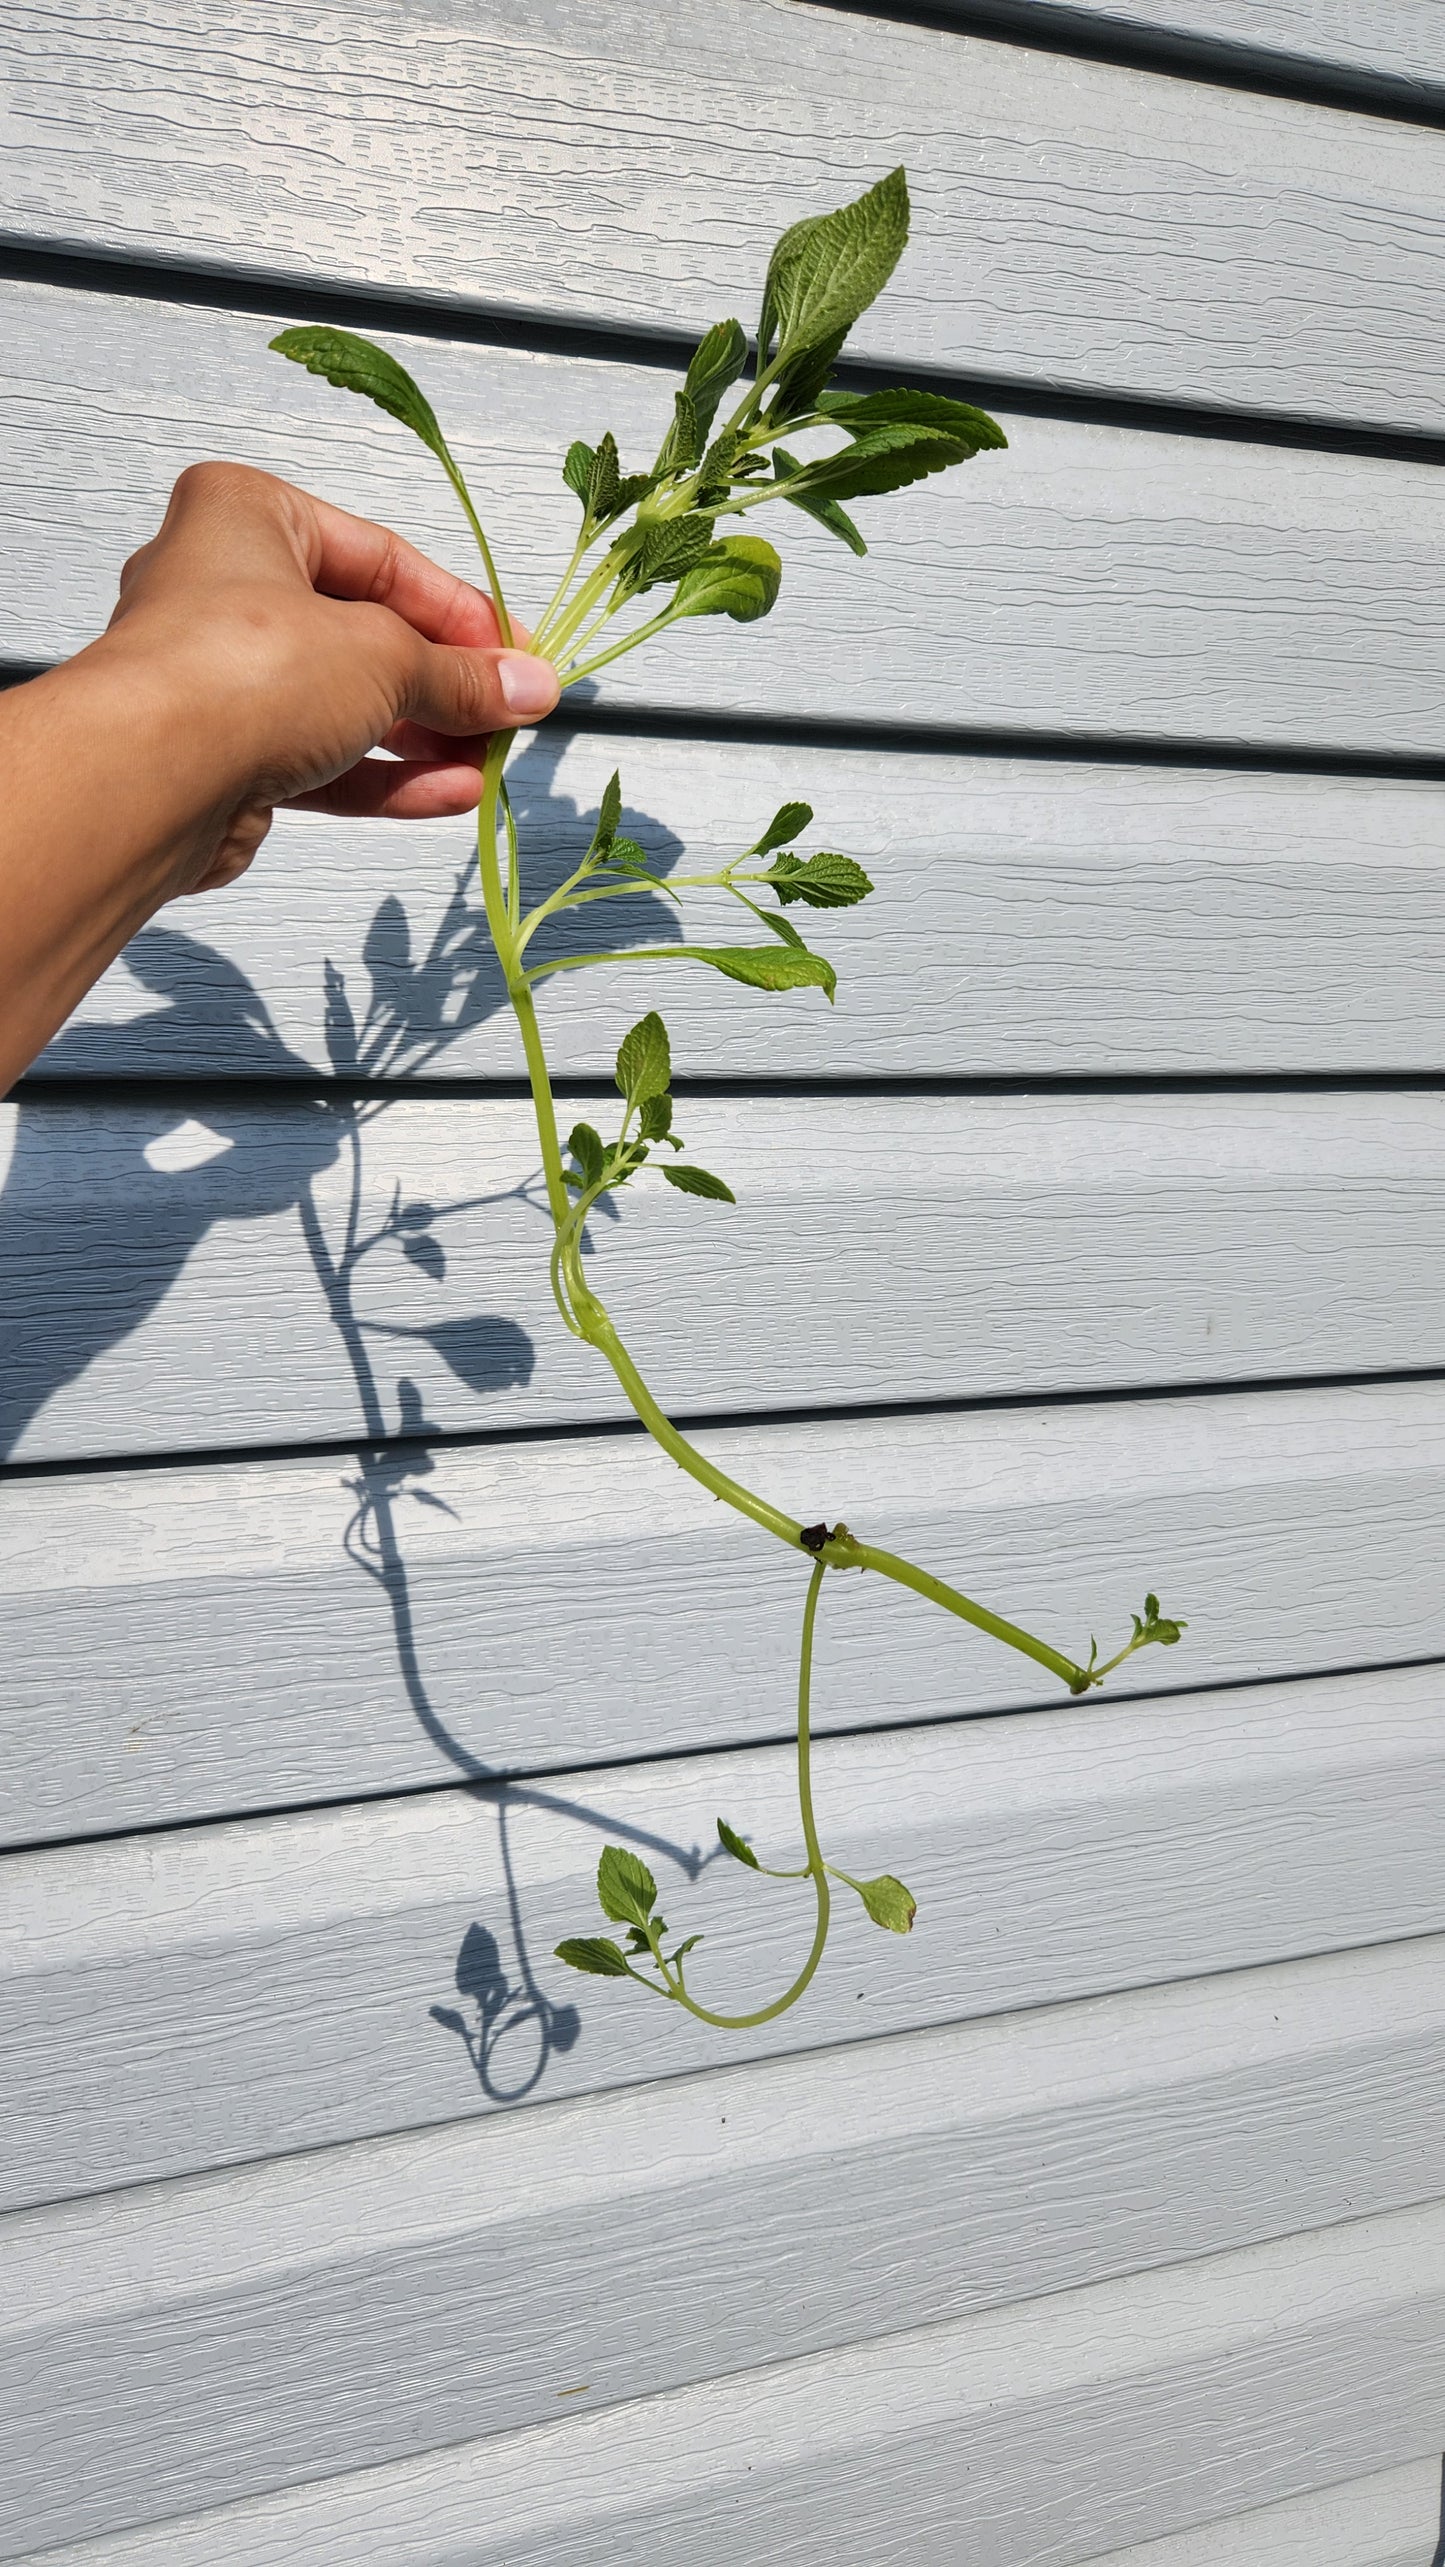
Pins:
x: 597, y: 1954
x: 825, y: 272
x: 625, y: 1887
x: 644, y: 1061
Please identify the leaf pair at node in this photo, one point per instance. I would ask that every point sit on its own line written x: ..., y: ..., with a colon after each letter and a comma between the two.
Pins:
x: 627, y: 1895
x: 885, y: 1899
x: 644, y: 1081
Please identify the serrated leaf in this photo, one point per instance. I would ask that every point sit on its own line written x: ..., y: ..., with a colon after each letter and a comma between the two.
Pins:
x: 682, y: 444
x: 637, y: 1940
x: 739, y: 577
x: 656, y: 1120
x: 824, y: 512
x: 634, y: 486
x: 799, y: 386
x: 888, y: 1903
x: 786, y: 823
x: 715, y: 470
x: 888, y: 455
x: 1151, y: 1608
x: 905, y: 405
x: 577, y: 470
x: 587, y: 1149
x: 626, y: 854
x: 597, y: 1954
x: 626, y: 1889
x: 664, y: 551
x: 737, y: 1846
x: 715, y: 365
x: 604, y: 480
x: 762, y: 966
x: 697, y: 1181
x: 357, y: 365
x: 608, y: 814
x: 825, y: 272
x: 821, y: 881
x: 644, y: 1061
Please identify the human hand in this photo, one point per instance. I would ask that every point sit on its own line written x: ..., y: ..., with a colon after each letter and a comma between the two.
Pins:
x: 295, y: 639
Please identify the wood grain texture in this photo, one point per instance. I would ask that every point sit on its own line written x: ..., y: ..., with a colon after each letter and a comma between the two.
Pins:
x: 1077, y: 224
x: 1095, y: 580
x: 1386, y: 2520
x: 423, y: 2289
x: 292, y: 1983
x: 249, y: 1275
x: 1051, y: 2431
x: 1032, y: 918
x: 1398, y: 42
x: 193, y: 1642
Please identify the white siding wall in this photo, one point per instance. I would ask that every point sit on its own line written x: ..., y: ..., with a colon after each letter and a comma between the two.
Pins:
x: 1106, y: 2220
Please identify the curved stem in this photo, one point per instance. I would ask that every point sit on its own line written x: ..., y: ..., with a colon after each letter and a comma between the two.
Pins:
x: 817, y: 1869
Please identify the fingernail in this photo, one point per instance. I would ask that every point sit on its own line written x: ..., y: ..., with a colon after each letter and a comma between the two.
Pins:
x: 528, y: 685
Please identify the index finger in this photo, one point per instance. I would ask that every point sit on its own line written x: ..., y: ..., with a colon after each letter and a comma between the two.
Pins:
x: 349, y: 557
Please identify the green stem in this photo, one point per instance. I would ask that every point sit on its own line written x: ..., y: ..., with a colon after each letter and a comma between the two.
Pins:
x: 504, y: 621
x: 817, y: 1870
x: 864, y: 1555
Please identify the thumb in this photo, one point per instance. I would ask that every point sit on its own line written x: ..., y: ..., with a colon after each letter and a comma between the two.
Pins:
x: 464, y: 692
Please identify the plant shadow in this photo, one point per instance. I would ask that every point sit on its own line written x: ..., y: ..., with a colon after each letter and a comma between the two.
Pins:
x: 425, y: 985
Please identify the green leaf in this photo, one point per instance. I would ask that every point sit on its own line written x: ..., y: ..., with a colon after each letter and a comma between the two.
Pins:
x: 626, y: 855
x: 799, y: 386
x: 761, y: 966
x: 608, y: 814
x: 587, y: 1149
x: 788, y: 822
x: 577, y: 470
x: 604, y: 480
x: 888, y: 1903
x: 782, y: 928
x: 824, y: 273
x: 739, y: 577
x: 682, y: 444
x: 824, y: 512
x: 635, y: 486
x: 656, y: 1120
x: 683, y: 1949
x: 823, y: 881
x: 1151, y: 1608
x: 717, y: 361
x: 597, y: 1954
x: 644, y: 1061
x: 886, y: 459
x: 697, y: 1181
x: 626, y: 1889
x: 906, y: 406
x: 662, y: 551
x: 737, y: 1846
x: 356, y: 365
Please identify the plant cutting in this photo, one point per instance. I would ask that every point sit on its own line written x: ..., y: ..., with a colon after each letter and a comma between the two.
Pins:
x: 658, y: 546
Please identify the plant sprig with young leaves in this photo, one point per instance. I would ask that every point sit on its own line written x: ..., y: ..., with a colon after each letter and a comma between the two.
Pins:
x: 655, y: 535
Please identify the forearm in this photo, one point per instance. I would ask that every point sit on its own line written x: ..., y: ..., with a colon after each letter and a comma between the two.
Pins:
x: 107, y: 791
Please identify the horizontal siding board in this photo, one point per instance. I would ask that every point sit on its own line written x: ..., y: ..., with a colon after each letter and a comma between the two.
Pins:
x: 1389, y: 2519
x: 1095, y: 580
x: 1376, y: 41
x: 173, y: 1280
x: 196, y: 1641
x: 752, y: 2215
x: 1033, y: 918
x: 1052, y: 2430
x: 272, y: 1985
x: 1078, y: 224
